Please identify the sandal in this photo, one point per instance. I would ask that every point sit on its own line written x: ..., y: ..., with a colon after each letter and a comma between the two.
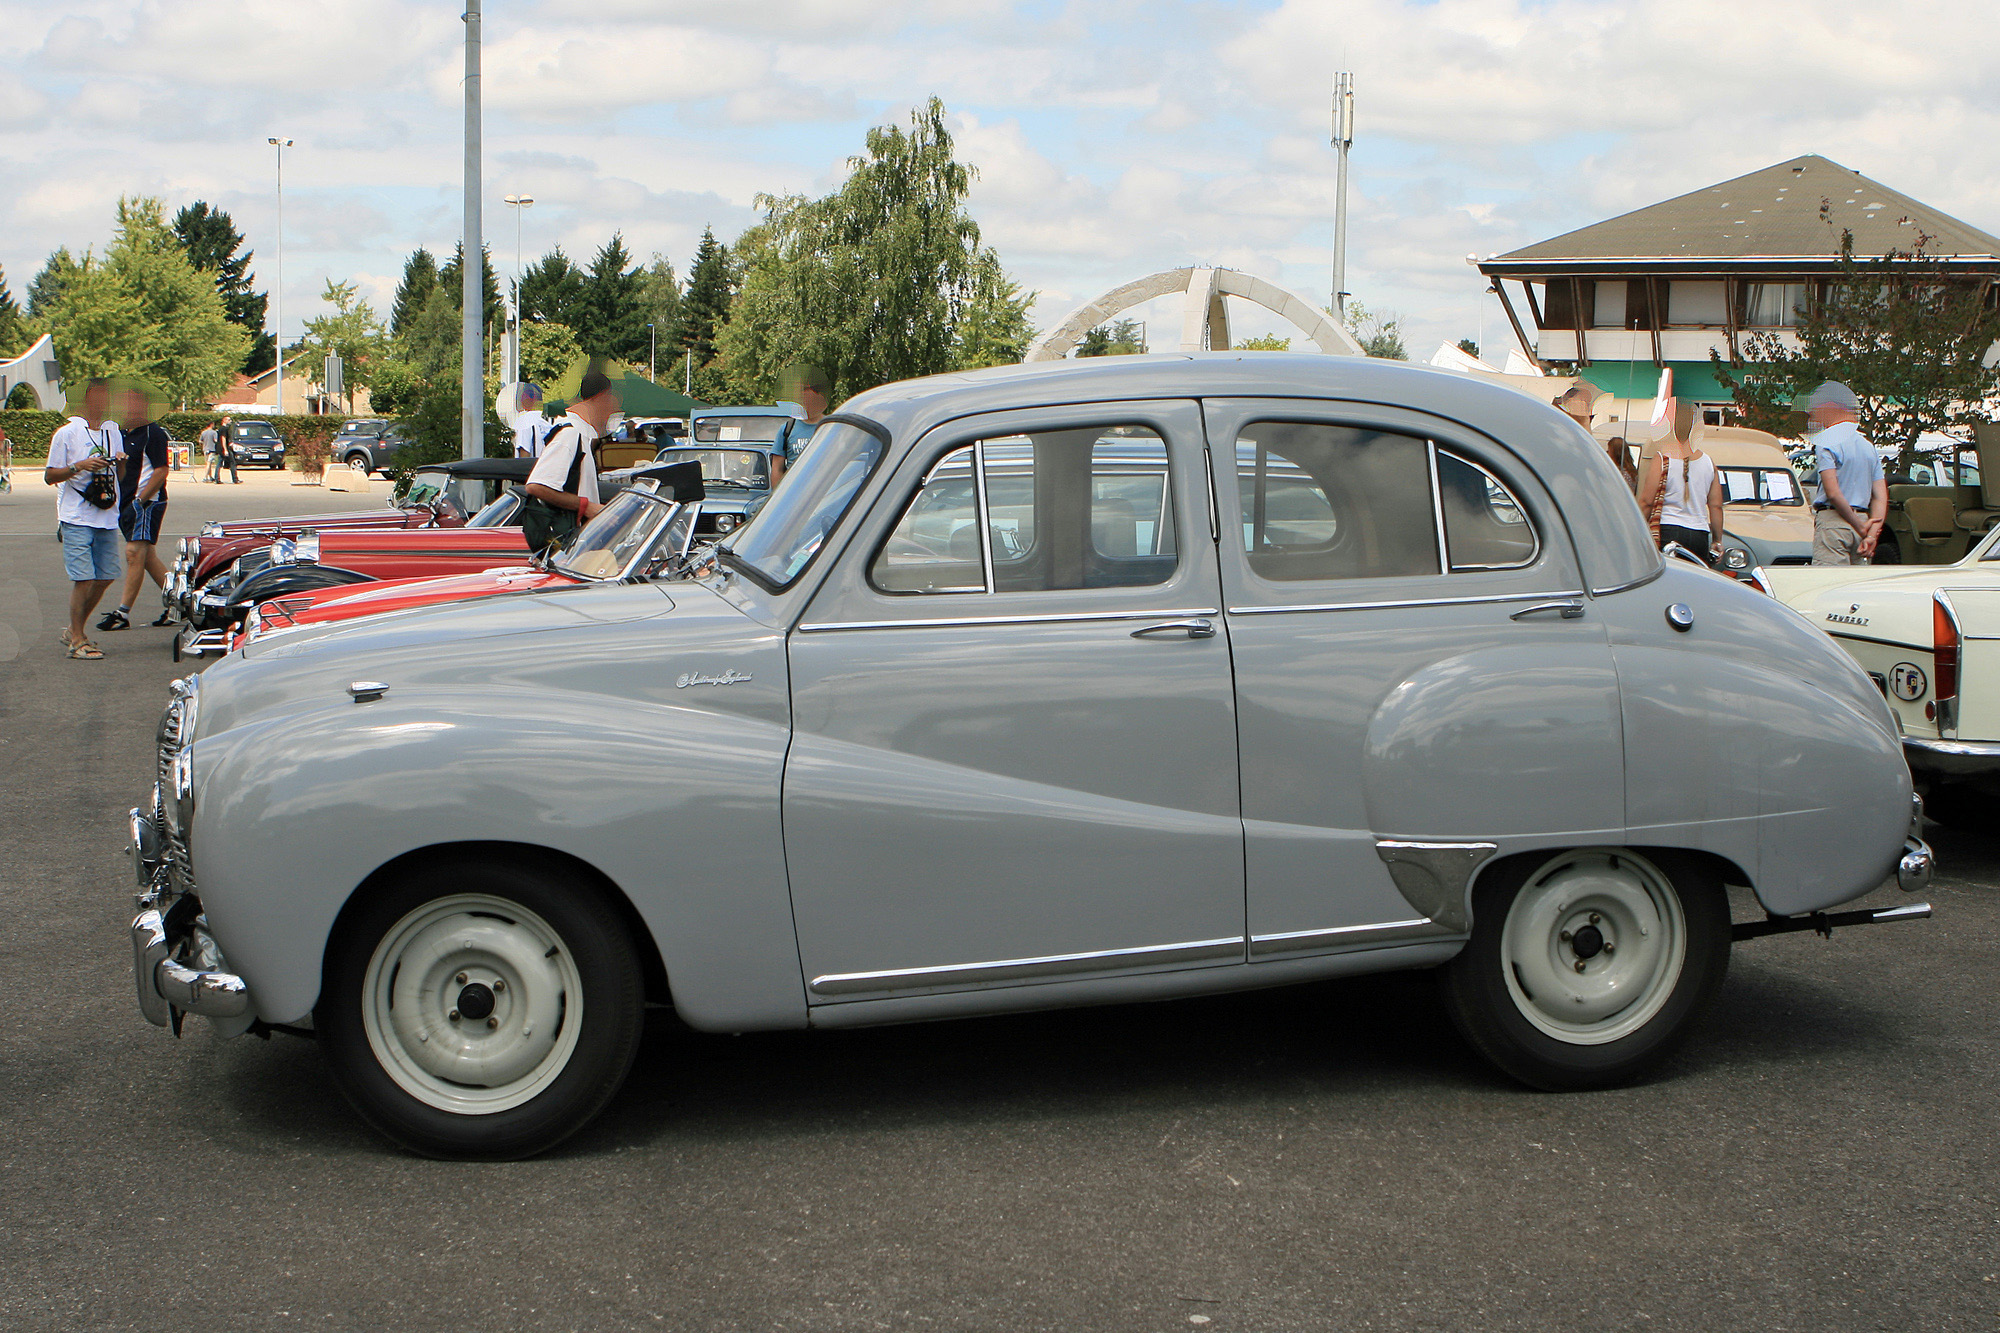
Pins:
x: 83, y: 652
x: 114, y: 620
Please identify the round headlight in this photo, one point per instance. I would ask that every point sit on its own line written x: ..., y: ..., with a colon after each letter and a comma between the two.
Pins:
x: 1736, y: 558
x: 725, y: 522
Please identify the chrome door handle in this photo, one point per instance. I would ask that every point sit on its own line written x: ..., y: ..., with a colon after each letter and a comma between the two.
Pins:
x: 1197, y: 628
x: 1570, y: 609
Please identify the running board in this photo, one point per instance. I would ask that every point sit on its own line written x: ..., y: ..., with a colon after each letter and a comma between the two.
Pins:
x: 1824, y: 922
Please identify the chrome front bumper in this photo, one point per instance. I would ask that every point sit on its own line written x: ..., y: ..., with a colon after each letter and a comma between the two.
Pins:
x: 193, y: 642
x: 1932, y: 757
x: 177, y: 965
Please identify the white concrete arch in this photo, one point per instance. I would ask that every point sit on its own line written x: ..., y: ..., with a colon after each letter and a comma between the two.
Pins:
x: 1204, y: 314
x: 37, y: 369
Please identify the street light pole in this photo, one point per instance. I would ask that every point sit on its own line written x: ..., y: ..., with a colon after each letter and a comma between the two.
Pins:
x: 472, y: 288
x: 517, y: 202
x: 279, y: 358
x: 1343, y: 139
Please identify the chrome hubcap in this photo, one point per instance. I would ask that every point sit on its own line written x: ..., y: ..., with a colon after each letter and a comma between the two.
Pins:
x: 1593, y: 945
x: 472, y: 1004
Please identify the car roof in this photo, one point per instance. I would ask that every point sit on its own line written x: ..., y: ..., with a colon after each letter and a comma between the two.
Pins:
x: 1610, y: 534
x: 745, y: 412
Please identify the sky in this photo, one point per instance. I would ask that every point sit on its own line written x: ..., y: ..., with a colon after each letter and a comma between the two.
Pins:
x: 1112, y: 138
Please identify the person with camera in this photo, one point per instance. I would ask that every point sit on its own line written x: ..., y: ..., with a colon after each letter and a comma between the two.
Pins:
x: 82, y: 462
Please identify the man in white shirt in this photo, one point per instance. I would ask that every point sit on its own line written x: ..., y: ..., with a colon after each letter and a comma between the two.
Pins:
x: 565, y: 476
x: 82, y: 454
x: 1850, y: 475
x: 531, y: 428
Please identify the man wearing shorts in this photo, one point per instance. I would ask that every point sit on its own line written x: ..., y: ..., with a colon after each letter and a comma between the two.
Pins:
x: 142, y: 507
x: 79, y: 451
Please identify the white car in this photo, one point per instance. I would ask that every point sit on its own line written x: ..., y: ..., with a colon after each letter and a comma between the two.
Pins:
x: 1929, y: 637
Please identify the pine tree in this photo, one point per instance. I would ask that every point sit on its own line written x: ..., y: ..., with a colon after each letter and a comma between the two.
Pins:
x: 705, y: 307
x: 613, y: 320
x: 660, y: 296
x: 211, y: 240
x: 450, y: 279
x: 552, y: 290
x: 420, y: 279
x: 13, y: 328
x: 45, y: 288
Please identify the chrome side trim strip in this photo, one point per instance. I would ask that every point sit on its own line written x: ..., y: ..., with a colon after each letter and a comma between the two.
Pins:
x: 1050, y: 619
x: 1296, y: 941
x: 1409, y: 601
x: 1013, y: 969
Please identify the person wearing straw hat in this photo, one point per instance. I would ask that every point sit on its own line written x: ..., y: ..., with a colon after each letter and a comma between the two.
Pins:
x: 1850, y: 474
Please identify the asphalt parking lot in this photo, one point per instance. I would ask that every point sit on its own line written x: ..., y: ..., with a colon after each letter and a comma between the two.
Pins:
x: 1821, y: 1156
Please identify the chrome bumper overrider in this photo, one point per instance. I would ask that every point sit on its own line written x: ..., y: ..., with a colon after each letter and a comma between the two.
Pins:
x: 1916, y: 865
x: 193, y: 642
x: 177, y: 965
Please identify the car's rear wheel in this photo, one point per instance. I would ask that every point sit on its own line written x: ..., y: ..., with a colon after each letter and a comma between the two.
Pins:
x: 1887, y: 550
x: 481, y: 1010
x: 1588, y: 967
x: 1960, y: 806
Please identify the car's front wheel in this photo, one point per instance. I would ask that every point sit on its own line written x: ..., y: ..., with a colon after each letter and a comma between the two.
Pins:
x: 482, y: 1009
x: 358, y: 461
x: 1588, y: 967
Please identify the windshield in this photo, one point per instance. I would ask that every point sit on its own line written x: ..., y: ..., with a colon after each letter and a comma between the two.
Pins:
x: 1760, y: 486
x: 728, y: 430
x: 727, y: 467
x: 262, y: 430
x: 502, y: 513
x: 622, y: 531
x: 788, y: 531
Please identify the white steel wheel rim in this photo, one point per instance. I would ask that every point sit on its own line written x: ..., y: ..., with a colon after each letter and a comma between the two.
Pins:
x: 1565, y: 915
x: 425, y: 998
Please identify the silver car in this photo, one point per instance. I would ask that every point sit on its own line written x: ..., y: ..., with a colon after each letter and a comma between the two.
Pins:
x: 1064, y: 684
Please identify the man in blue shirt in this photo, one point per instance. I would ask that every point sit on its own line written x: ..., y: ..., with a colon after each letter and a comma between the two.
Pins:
x: 1850, y: 474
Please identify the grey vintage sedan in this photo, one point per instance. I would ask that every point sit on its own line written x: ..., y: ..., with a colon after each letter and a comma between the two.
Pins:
x: 1063, y: 684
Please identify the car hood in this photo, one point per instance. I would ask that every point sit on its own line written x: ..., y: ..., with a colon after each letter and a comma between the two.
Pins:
x: 379, y: 596
x: 1887, y: 602
x: 573, y: 639
x: 1775, y: 525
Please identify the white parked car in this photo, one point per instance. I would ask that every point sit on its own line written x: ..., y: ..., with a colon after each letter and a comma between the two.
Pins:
x: 1929, y: 637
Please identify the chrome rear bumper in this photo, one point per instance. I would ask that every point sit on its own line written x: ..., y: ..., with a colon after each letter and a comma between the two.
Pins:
x: 1930, y: 756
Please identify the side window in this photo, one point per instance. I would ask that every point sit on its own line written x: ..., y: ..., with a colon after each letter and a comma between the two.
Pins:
x: 1335, y: 502
x: 1090, y: 507
x: 1484, y: 525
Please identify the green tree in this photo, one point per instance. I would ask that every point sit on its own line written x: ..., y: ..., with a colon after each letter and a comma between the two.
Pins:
x: 612, y: 318
x: 1907, y: 335
x: 994, y: 330
x: 211, y: 240
x: 547, y: 350
x: 871, y: 282
x: 46, y: 286
x: 13, y: 326
x: 420, y: 279
x: 1124, y: 337
x: 451, y: 281
x: 660, y: 300
x: 144, y: 310
x: 710, y: 291
x: 1469, y: 347
x: 1379, y: 333
x: 352, y: 332
x: 432, y: 343
x: 552, y: 290
x: 1269, y: 342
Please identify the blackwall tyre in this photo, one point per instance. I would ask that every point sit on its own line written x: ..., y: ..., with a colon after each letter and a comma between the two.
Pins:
x: 1887, y: 550
x: 358, y: 461
x: 1589, y: 966
x: 481, y: 1010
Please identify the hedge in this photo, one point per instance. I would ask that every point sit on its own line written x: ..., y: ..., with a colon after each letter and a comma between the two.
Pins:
x: 29, y: 432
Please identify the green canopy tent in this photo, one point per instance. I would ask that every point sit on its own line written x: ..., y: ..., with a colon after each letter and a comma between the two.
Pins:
x: 640, y: 396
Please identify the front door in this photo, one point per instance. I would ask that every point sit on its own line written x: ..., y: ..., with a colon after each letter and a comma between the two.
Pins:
x: 1014, y: 749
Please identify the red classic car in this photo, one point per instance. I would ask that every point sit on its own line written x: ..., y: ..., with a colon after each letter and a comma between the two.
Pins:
x: 640, y: 534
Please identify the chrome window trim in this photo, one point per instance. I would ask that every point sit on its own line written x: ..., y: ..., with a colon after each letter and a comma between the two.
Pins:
x: 1294, y: 941
x: 1639, y: 582
x: 1229, y: 948
x: 1437, y: 507
x: 1519, y: 508
x: 1052, y: 617
x: 984, y: 515
x: 1407, y: 601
